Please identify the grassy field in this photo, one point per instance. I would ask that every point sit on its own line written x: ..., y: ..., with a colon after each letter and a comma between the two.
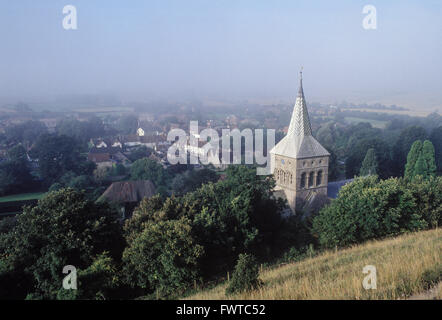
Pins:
x: 406, y: 266
x: 375, y: 123
x: 22, y: 196
x: 412, y: 113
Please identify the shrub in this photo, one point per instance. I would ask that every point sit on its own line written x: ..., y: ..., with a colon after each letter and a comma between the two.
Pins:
x: 368, y: 209
x: 246, y: 275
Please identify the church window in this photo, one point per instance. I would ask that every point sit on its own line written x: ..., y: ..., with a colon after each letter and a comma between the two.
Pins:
x: 303, y: 180
x: 310, y: 179
x: 319, y: 178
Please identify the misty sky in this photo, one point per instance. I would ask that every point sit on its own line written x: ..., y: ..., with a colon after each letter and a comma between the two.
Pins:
x: 224, y: 49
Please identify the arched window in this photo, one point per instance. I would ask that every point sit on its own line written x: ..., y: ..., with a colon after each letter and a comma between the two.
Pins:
x: 310, y: 179
x: 319, y: 178
x: 303, y: 180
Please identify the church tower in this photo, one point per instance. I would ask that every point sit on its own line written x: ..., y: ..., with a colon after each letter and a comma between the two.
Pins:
x: 299, y: 163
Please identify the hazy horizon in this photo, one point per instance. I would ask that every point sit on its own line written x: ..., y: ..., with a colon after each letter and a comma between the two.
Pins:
x: 225, y: 50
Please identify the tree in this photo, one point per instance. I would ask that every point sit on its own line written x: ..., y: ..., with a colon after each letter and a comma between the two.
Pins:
x: 402, y: 146
x: 140, y: 153
x: 421, y: 160
x: 64, y: 228
x: 26, y: 133
x: 368, y: 209
x: 412, y: 158
x: 14, y: 172
x: 163, y: 257
x: 428, y: 154
x: 99, y: 281
x: 436, y: 139
x: 57, y: 155
x: 128, y: 124
x: 147, y: 169
x: 421, y: 168
x: 370, y: 164
x: 357, y: 153
x: 246, y: 275
x: 81, y: 130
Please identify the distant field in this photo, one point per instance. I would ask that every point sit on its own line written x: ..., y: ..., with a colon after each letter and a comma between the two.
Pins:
x: 375, y: 123
x: 407, y: 266
x: 104, y: 109
x: 411, y: 113
x: 22, y: 196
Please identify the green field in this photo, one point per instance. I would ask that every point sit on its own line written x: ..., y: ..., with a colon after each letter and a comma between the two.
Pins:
x: 375, y: 123
x: 22, y: 196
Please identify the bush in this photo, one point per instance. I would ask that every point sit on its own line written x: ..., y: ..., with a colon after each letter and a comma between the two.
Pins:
x: 368, y: 209
x: 246, y: 275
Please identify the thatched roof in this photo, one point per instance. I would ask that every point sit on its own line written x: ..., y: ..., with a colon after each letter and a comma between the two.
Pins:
x: 129, y: 191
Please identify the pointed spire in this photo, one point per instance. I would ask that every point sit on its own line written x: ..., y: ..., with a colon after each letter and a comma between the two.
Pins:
x: 300, y: 122
x: 300, y: 90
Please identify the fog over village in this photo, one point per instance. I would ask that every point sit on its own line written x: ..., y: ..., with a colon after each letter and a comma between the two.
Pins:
x: 206, y: 150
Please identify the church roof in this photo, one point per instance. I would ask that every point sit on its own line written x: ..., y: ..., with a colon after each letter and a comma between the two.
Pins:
x: 299, y: 142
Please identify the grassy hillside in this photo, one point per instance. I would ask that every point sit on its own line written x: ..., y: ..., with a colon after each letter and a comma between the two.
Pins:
x: 407, y: 265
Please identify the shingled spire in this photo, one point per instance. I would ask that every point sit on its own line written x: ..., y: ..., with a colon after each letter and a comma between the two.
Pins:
x: 299, y: 142
x: 300, y: 122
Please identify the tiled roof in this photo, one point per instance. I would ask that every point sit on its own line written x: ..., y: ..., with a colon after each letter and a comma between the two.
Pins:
x: 299, y: 142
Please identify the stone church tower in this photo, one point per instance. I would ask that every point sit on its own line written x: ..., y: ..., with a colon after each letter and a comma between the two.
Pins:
x: 299, y: 163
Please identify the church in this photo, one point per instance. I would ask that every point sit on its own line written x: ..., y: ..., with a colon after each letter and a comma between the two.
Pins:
x: 299, y: 163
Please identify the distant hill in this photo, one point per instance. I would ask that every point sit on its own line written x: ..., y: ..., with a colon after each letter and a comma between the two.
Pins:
x: 407, y: 266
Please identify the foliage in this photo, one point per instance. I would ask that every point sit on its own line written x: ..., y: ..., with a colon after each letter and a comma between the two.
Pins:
x: 367, y: 209
x: 26, y: 133
x: 81, y: 130
x: 412, y: 157
x: 436, y: 139
x: 421, y: 160
x: 163, y: 257
x: 246, y: 275
x: 99, y: 281
x: 357, y: 153
x: 64, y: 228
x: 402, y: 146
x: 15, y: 174
x: 57, y: 155
x: 147, y: 169
x: 192, y: 180
x: 370, y: 164
x: 140, y: 153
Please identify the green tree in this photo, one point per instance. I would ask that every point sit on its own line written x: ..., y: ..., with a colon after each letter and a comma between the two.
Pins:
x: 246, y: 275
x: 428, y: 154
x: 163, y: 257
x: 436, y: 139
x: 370, y: 164
x: 64, y: 228
x: 147, y: 169
x: 57, y: 155
x: 99, y: 281
x: 368, y: 209
x: 402, y: 146
x: 413, y: 156
x: 421, y: 168
x: 15, y: 175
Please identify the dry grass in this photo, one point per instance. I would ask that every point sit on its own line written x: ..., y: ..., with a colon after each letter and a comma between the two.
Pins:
x: 402, y: 264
